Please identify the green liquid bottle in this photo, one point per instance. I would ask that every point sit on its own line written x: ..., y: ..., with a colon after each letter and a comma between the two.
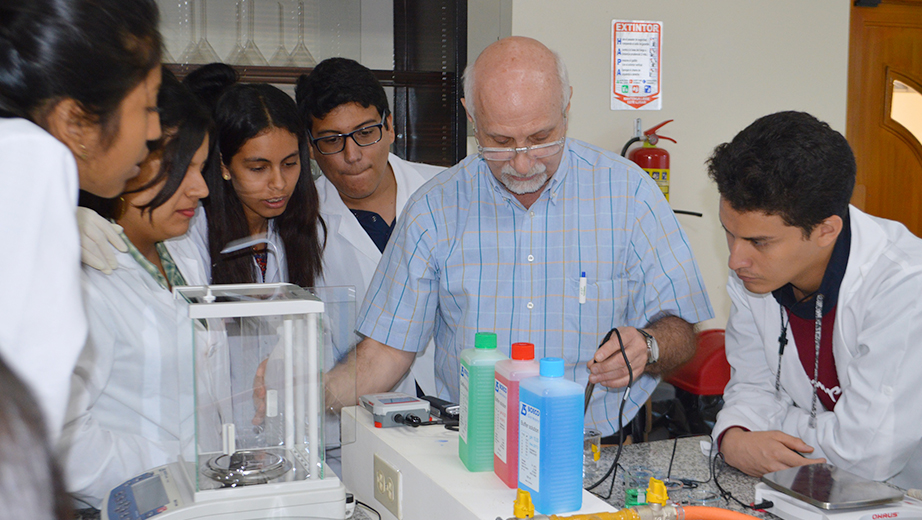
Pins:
x: 475, y: 427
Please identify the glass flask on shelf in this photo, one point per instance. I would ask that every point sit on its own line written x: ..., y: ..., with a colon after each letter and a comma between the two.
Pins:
x: 204, y: 52
x: 301, y: 56
x: 234, y: 54
x: 250, y: 55
x: 280, y: 58
x: 188, y: 53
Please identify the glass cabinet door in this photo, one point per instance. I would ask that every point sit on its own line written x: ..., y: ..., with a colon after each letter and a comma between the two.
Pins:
x: 417, y: 49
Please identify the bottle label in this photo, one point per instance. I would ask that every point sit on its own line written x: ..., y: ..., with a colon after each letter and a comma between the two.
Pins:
x: 500, y: 405
x: 462, y: 416
x: 529, y: 445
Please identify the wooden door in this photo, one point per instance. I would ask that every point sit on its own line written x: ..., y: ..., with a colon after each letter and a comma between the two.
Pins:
x: 885, y: 51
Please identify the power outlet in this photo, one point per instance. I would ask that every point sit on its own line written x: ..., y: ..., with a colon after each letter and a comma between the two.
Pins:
x: 387, y: 485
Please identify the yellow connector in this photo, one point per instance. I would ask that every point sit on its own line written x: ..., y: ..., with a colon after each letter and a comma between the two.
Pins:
x: 656, y: 492
x: 523, y: 508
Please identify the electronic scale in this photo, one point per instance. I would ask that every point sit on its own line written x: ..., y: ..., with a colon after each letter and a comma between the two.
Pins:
x: 238, y: 463
x: 391, y: 408
x: 825, y: 492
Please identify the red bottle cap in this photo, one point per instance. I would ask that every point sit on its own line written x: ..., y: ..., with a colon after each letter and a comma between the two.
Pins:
x: 523, y: 351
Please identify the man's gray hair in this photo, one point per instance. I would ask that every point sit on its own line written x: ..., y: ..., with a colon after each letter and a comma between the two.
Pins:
x: 562, y: 76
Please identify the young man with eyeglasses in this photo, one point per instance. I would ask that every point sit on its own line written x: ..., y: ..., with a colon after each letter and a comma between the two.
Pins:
x: 504, y: 241
x: 364, y: 187
x: 824, y: 329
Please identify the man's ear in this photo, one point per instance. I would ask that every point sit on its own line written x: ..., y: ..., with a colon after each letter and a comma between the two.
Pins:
x: 391, y: 131
x: 466, y: 111
x: 827, y: 231
x: 68, y: 122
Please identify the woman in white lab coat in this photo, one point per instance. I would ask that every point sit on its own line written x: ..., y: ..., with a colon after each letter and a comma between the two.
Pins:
x: 125, y: 404
x: 263, y: 187
x: 78, y: 83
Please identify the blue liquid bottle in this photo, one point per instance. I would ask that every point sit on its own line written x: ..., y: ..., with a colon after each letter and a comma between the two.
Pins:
x: 551, y: 439
x: 475, y: 424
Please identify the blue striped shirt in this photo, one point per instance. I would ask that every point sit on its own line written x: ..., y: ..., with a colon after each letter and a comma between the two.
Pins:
x: 467, y: 257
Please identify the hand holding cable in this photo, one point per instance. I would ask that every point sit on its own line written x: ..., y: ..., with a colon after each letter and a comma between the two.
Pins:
x: 589, y: 388
x: 607, y: 367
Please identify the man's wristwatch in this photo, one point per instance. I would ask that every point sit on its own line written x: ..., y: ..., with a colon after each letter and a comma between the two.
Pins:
x: 652, y: 347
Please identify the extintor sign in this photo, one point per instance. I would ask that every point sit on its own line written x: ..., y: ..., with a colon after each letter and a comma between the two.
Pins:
x: 636, y: 66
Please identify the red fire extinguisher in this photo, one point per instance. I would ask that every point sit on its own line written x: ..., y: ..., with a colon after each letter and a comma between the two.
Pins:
x: 653, y: 160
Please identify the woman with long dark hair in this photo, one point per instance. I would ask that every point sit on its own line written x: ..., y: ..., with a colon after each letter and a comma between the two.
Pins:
x: 262, y: 187
x: 78, y: 86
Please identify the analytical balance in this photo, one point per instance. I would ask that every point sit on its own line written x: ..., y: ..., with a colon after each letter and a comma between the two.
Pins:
x: 252, y: 440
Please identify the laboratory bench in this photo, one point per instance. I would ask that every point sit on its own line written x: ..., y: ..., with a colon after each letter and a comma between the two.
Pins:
x: 688, y: 462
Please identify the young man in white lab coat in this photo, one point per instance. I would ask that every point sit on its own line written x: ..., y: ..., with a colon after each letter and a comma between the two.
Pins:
x: 364, y: 187
x: 838, y: 288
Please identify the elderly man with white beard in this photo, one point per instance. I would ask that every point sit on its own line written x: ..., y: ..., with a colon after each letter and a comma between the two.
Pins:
x: 538, y: 238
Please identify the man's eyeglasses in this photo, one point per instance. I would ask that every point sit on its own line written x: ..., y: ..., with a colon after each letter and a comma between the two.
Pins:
x: 365, y: 136
x: 539, y: 151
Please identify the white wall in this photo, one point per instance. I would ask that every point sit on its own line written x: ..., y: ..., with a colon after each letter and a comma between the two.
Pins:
x: 725, y: 63
x: 487, y: 21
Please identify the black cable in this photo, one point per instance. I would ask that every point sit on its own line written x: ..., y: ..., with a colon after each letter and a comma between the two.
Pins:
x: 689, y: 483
x: 675, y: 445
x: 620, y: 418
x: 628, y: 145
x: 368, y: 507
x: 89, y: 506
x: 727, y: 496
x: 612, y: 471
x: 591, y: 386
x: 414, y: 421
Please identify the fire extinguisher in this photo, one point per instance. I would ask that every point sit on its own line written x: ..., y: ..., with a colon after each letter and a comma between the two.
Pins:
x: 653, y: 160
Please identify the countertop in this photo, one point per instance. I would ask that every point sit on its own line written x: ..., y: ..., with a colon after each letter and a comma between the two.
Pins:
x: 689, y: 463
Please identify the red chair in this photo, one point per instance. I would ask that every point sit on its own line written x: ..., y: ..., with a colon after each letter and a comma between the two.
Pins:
x: 708, y: 372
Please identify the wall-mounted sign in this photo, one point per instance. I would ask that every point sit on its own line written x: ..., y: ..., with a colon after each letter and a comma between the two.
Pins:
x: 636, y: 65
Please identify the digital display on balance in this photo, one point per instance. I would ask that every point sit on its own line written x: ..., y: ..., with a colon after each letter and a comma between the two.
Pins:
x: 144, y: 496
x: 149, y: 494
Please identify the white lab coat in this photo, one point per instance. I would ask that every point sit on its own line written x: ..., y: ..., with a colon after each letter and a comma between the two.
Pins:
x: 43, y: 326
x: 351, y: 257
x: 124, y: 412
x: 876, y: 427
x: 194, y: 246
